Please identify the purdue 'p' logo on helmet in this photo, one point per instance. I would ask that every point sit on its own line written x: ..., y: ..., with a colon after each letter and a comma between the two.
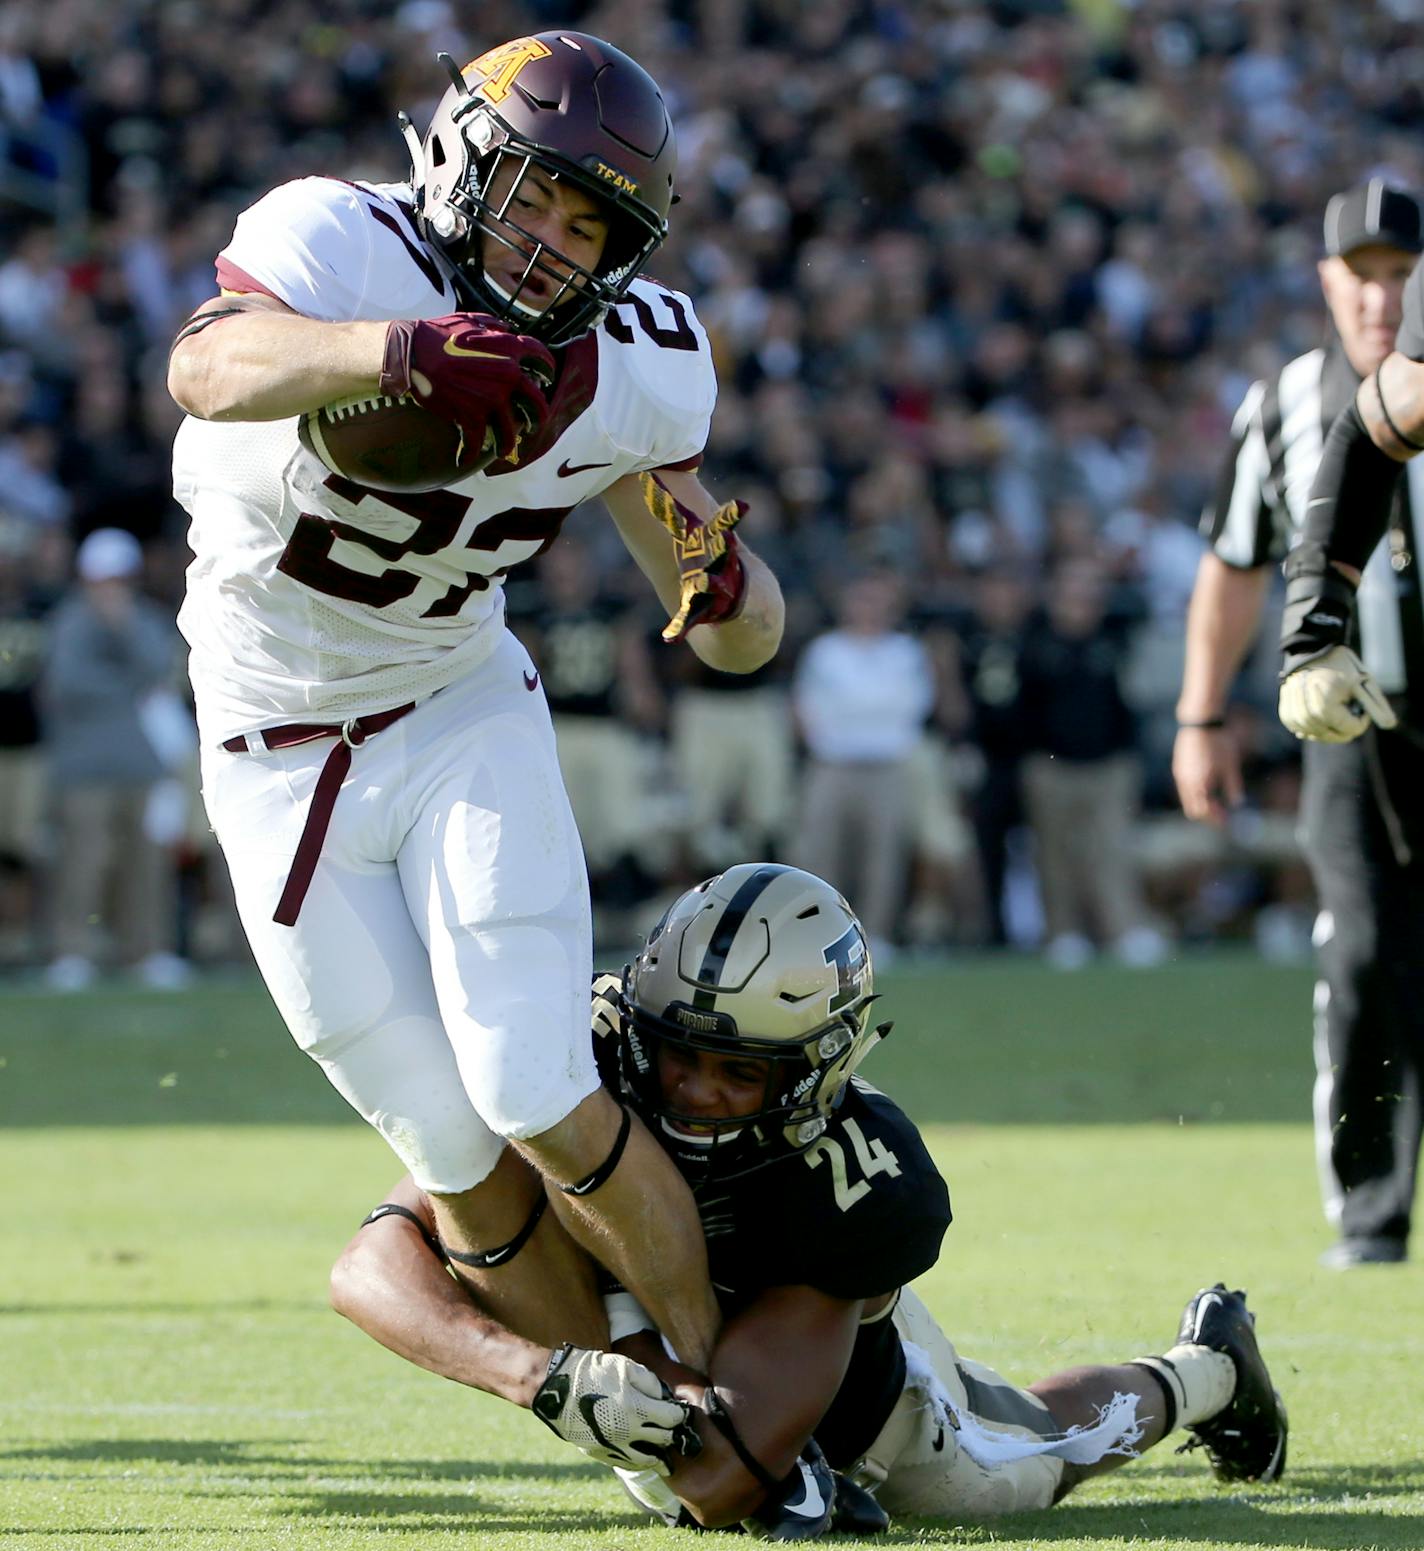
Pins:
x: 766, y: 962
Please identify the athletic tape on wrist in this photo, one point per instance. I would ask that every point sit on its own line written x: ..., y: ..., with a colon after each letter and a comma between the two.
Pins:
x: 626, y: 1316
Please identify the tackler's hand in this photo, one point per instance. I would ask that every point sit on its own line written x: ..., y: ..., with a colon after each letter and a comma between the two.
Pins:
x: 468, y: 368
x: 712, y: 576
x: 615, y: 1410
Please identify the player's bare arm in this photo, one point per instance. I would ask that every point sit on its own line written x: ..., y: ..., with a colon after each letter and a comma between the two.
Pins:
x: 389, y: 1282
x: 776, y: 1369
x: 392, y: 1282
x: 259, y: 360
x: 739, y: 644
x: 263, y: 361
x: 1222, y: 619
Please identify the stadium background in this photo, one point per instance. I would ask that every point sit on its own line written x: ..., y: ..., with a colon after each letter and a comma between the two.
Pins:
x: 985, y: 283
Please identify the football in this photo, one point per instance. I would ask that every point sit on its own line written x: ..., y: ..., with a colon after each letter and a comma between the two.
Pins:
x: 388, y: 444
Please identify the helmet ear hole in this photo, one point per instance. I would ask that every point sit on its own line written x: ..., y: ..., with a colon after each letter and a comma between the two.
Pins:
x: 437, y: 152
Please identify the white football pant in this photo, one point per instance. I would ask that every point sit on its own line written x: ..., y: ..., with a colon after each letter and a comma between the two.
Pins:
x: 439, y: 969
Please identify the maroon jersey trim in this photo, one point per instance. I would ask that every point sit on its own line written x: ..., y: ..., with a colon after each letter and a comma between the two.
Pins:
x: 231, y: 278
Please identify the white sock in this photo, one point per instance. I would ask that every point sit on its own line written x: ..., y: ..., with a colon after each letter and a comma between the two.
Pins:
x: 1202, y: 1381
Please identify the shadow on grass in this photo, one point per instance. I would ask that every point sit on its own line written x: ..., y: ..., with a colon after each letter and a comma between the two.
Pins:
x: 1325, y: 1507
x: 243, y: 1454
x: 279, y: 1481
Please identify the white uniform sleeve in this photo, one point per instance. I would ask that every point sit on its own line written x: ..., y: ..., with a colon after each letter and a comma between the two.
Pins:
x: 668, y: 383
x: 307, y: 243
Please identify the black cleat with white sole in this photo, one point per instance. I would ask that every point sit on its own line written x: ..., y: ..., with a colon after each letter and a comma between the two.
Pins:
x: 1246, y: 1441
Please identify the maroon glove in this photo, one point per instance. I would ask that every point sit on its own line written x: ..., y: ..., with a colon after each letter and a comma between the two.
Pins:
x: 468, y: 368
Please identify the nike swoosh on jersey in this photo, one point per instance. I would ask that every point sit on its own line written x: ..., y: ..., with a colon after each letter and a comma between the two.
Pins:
x: 566, y: 469
x: 531, y: 682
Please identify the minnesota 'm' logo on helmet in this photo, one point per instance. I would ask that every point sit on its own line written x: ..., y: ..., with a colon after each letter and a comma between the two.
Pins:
x: 766, y: 962
x: 583, y: 113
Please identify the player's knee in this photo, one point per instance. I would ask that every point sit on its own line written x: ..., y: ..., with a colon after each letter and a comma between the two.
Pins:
x: 580, y: 1142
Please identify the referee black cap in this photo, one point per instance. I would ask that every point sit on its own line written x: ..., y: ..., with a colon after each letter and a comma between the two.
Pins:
x: 1374, y: 214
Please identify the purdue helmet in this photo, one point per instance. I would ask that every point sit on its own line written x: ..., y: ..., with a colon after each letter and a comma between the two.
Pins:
x: 586, y: 114
x: 766, y: 962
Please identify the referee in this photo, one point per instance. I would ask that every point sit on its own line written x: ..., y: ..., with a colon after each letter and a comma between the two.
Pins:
x: 1368, y: 867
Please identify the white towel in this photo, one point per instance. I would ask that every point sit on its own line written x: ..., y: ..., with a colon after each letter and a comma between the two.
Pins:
x: 1116, y: 1430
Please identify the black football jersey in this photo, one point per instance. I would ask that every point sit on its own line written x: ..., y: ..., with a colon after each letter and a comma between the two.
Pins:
x: 860, y: 1212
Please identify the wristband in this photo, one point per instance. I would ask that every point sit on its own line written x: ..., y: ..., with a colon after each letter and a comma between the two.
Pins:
x: 1207, y: 724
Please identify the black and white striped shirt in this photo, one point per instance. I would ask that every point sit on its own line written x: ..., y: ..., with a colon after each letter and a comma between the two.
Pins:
x: 1257, y: 511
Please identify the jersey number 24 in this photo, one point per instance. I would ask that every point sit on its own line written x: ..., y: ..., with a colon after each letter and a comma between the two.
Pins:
x: 873, y: 1158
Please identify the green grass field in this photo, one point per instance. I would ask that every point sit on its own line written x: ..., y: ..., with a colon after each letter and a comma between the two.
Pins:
x: 177, y: 1179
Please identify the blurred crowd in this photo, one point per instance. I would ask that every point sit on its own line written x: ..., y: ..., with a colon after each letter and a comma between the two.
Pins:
x: 985, y: 281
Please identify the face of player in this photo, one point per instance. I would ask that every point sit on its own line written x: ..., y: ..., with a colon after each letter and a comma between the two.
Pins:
x: 1364, y: 290
x: 540, y: 209
x: 705, y: 1087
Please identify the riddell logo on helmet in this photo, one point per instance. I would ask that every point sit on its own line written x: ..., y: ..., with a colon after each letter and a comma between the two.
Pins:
x: 620, y: 180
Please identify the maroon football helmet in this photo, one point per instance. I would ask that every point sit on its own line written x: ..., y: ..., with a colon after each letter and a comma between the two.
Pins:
x: 580, y: 110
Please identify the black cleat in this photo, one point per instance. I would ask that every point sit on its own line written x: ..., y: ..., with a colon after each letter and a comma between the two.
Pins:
x: 1246, y: 1441
x: 857, y: 1512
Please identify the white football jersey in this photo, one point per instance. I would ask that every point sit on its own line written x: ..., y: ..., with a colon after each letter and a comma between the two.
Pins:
x: 312, y: 598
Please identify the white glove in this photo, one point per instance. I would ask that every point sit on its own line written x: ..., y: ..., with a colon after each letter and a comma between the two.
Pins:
x: 1333, y: 698
x: 613, y: 1409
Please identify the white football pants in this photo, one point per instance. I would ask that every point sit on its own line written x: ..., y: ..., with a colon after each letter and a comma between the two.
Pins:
x: 438, y: 972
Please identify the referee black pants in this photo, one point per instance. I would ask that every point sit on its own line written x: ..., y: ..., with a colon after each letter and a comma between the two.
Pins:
x: 1363, y: 813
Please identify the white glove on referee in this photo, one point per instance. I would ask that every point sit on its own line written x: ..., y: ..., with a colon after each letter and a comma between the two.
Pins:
x: 1333, y: 699
x: 613, y: 1409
